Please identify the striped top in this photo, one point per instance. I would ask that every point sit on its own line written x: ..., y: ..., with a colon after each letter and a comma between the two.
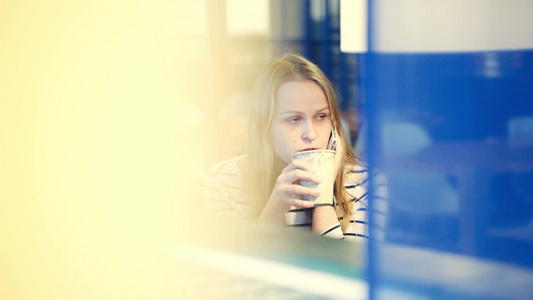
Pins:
x: 225, y: 195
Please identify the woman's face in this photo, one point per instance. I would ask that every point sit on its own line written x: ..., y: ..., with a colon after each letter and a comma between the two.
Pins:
x: 301, y: 120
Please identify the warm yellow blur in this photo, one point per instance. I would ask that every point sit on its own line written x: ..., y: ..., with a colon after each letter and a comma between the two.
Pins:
x: 101, y: 122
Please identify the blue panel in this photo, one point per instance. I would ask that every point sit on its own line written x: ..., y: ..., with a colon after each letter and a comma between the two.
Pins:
x: 453, y: 135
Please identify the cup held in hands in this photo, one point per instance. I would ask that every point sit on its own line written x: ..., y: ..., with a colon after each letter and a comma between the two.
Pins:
x: 323, y: 164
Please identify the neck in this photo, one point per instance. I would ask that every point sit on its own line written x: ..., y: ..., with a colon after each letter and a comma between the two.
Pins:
x: 278, y: 166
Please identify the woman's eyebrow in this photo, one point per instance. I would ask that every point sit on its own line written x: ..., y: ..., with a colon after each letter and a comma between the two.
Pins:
x: 323, y: 109
x: 291, y: 112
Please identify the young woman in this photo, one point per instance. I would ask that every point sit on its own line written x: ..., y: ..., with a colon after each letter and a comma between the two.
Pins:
x: 294, y: 108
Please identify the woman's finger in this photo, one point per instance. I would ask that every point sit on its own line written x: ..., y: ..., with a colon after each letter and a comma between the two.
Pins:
x: 298, y: 174
x: 302, y: 165
x: 299, y: 190
x: 301, y: 203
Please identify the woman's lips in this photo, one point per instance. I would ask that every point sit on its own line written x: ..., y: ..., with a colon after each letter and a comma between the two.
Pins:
x: 307, y: 149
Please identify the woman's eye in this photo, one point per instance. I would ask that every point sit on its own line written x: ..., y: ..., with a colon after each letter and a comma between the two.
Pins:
x: 293, y: 120
x: 321, y: 116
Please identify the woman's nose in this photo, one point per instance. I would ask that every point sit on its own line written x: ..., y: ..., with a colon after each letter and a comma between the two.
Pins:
x: 309, y: 132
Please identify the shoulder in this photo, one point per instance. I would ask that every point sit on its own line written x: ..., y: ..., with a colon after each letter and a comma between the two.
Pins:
x: 225, y: 174
x: 223, y: 192
x: 355, y: 174
x: 356, y: 184
x: 228, y: 167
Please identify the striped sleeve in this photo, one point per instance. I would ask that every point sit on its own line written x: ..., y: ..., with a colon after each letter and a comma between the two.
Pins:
x: 334, y: 232
x: 356, y: 187
x: 223, y: 190
x: 380, y: 207
x: 299, y: 217
x: 359, y: 226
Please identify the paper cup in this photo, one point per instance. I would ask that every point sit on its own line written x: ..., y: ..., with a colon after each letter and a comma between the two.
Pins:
x: 323, y: 164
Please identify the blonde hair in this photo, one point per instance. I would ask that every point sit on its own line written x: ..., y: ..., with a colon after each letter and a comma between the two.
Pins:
x: 259, y: 164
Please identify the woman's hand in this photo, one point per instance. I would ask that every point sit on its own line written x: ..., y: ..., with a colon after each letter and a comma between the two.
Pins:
x: 339, y: 157
x: 287, y: 192
x: 325, y: 217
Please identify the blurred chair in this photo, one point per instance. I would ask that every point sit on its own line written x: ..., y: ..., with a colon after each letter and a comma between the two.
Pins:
x: 423, y: 205
x: 520, y: 134
x: 520, y: 131
x: 518, y: 209
x: 520, y: 137
x: 403, y: 138
x: 418, y: 191
x: 510, y: 228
